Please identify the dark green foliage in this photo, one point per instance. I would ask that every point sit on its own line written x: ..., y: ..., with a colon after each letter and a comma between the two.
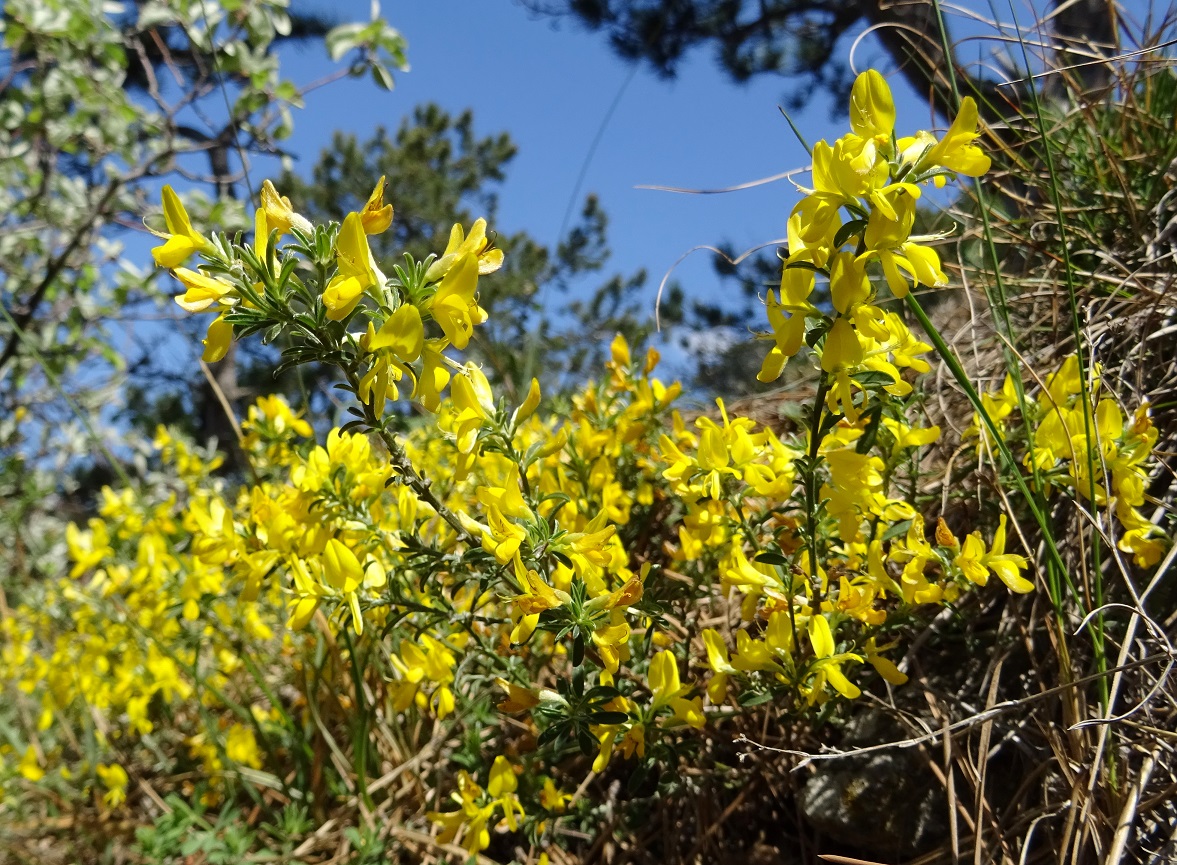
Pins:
x: 806, y: 39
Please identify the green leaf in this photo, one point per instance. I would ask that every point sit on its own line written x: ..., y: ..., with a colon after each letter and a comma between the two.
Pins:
x: 753, y: 698
x: 608, y: 718
x: 602, y: 693
x: 770, y: 558
x: 867, y: 440
x: 342, y: 39
x: 588, y: 745
x: 382, y: 76
x: 873, y: 378
x: 847, y: 231
x: 897, y: 530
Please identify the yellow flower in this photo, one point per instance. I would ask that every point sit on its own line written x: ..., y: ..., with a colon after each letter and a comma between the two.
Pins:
x: 114, y: 779
x: 280, y: 214
x: 752, y: 655
x: 619, y: 352
x: 667, y: 690
x: 976, y: 564
x: 518, y: 699
x: 841, y: 355
x: 428, y: 662
x: 471, y: 818
x: 551, y: 799
x: 30, y: 767
x: 536, y: 595
x: 872, y: 110
x: 827, y: 664
x: 908, y: 436
x: 842, y: 349
x: 956, y: 151
x: 274, y: 414
x: 454, y: 306
x: 528, y: 406
x: 241, y: 747
x: 720, y: 663
x: 460, y: 244
x: 204, y: 291
x: 342, y: 571
x: 217, y: 340
x: 402, y: 334
x: 475, y: 811
x: 307, y: 593
x: 888, y: 238
x: 376, y: 215
x: 356, y: 271
x: 1007, y: 566
x: 182, y: 238
x: 883, y: 666
x: 664, y: 682
x: 434, y: 375
x: 475, y: 404
x: 378, y: 384
x: 501, y: 787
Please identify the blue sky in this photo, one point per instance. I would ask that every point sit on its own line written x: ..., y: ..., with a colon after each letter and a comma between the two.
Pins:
x: 550, y: 85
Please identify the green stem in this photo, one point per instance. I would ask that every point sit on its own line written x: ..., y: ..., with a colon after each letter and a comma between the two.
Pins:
x: 811, y: 490
x: 1037, y: 512
x: 1084, y: 391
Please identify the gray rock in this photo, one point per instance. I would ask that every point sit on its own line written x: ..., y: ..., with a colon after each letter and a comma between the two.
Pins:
x: 887, y: 802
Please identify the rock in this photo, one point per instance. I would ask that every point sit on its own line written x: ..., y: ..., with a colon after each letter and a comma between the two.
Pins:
x: 887, y: 802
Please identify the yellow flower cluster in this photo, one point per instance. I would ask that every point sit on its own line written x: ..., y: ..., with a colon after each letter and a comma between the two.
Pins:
x: 623, y: 573
x: 141, y: 634
x: 1091, y: 446
x: 862, y: 209
x: 396, y: 343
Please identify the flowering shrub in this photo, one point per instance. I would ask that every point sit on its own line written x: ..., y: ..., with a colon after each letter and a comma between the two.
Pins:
x: 610, y: 576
